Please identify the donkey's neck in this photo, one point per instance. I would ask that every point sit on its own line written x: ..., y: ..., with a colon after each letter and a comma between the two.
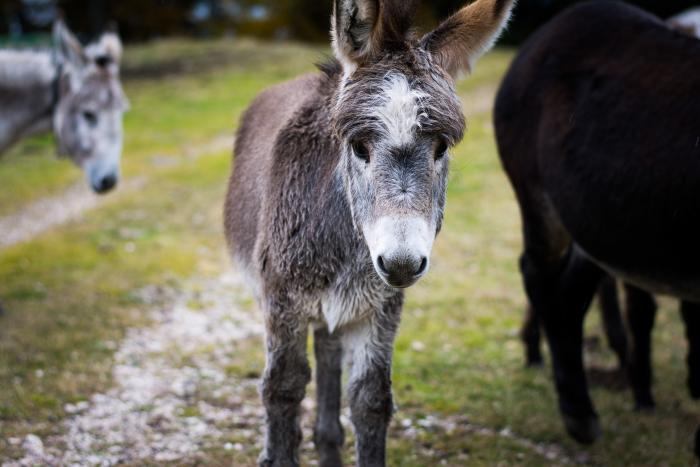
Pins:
x: 27, y: 95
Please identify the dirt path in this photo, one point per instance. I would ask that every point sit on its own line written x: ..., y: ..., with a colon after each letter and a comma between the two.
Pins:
x: 172, y: 396
x: 48, y: 213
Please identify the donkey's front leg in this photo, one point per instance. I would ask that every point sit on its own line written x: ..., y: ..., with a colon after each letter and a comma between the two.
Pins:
x: 286, y: 375
x: 328, y: 432
x: 370, y: 345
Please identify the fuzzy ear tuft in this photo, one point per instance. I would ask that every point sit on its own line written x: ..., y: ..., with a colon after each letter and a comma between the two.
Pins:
x: 361, y: 29
x: 468, y: 34
x: 67, y: 47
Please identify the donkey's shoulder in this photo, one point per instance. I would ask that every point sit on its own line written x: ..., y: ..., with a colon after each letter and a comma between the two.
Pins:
x: 278, y: 103
x: 272, y: 110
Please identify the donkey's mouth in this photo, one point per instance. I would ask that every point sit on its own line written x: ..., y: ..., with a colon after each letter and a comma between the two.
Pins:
x: 397, y: 285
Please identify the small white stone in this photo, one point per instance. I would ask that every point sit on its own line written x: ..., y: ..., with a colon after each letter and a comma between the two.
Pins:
x: 418, y: 346
x: 33, y: 446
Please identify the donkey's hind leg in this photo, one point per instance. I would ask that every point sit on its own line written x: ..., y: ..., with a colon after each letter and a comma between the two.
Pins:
x: 284, y: 383
x: 641, y: 312
x: 328, y: 432
x: 562, y: 297
x: 531, y: 336
x: 615, y: 329
x: 691, y: 317
x: 369, y: 346
x: 560, y: 284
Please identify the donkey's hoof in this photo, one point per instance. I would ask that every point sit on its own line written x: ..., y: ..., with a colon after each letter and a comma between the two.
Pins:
x: 534, y: 364
x: 534, y: 360
x: 584, y: 430
x: 265, y: 461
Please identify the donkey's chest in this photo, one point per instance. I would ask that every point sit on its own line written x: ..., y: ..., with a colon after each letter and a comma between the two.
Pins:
x: 354, y: 296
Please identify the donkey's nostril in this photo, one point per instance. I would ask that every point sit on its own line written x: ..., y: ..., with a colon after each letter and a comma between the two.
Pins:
x: 423, y: 266
x: 380, y: 263
x: 106, y: 184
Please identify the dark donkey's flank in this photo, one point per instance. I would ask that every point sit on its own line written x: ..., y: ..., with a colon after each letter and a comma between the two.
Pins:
x: 336, y: 197
x: 598, y: 128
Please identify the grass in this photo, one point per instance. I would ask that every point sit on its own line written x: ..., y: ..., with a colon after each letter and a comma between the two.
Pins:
x: 70, y: 293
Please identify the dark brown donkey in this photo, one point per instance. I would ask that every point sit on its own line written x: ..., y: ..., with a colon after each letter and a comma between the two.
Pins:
x: 640, y: 306
x: 336, y: 197
x: 598, y: 127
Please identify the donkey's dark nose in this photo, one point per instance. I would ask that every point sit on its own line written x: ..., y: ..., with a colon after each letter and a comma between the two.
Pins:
x: 402, y: 270
x: 106, y: 183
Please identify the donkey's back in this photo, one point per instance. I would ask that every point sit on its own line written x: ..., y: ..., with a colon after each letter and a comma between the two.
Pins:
x: 598, y: 120
x: 255, y: 158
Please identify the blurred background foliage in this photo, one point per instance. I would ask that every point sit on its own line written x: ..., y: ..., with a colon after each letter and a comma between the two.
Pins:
x: 305, y: 20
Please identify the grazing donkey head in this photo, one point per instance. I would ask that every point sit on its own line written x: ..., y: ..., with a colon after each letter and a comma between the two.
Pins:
x: 397, y: 115
x: 90, y: 105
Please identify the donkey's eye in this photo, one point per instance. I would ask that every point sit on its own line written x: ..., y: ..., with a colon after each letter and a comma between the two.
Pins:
x: 90, y: 118
x: 441, y: 150
x: 361, y: 151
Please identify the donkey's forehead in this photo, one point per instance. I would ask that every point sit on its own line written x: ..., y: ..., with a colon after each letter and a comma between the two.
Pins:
x: 101, y: 90
x: 400, y: 110
x: 397, y: 99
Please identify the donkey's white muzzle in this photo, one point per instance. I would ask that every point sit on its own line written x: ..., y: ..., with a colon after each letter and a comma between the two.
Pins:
x: 400, y: 249
x: 102, y: 177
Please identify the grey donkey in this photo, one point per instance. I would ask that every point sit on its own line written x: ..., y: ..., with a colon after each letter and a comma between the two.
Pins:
x: 334, y: 202
x: 73, y: 91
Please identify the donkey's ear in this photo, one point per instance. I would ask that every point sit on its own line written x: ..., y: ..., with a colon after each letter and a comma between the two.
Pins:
x: 464, y: 37
x: 106, y: 51
x: 363, y: 28
x: 353, y: 30
x: 68, y: 49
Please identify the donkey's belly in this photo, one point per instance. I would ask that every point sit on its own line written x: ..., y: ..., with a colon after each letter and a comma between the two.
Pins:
x: 686, y: 287
x: 641, y: 234
x: 643, y: 245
